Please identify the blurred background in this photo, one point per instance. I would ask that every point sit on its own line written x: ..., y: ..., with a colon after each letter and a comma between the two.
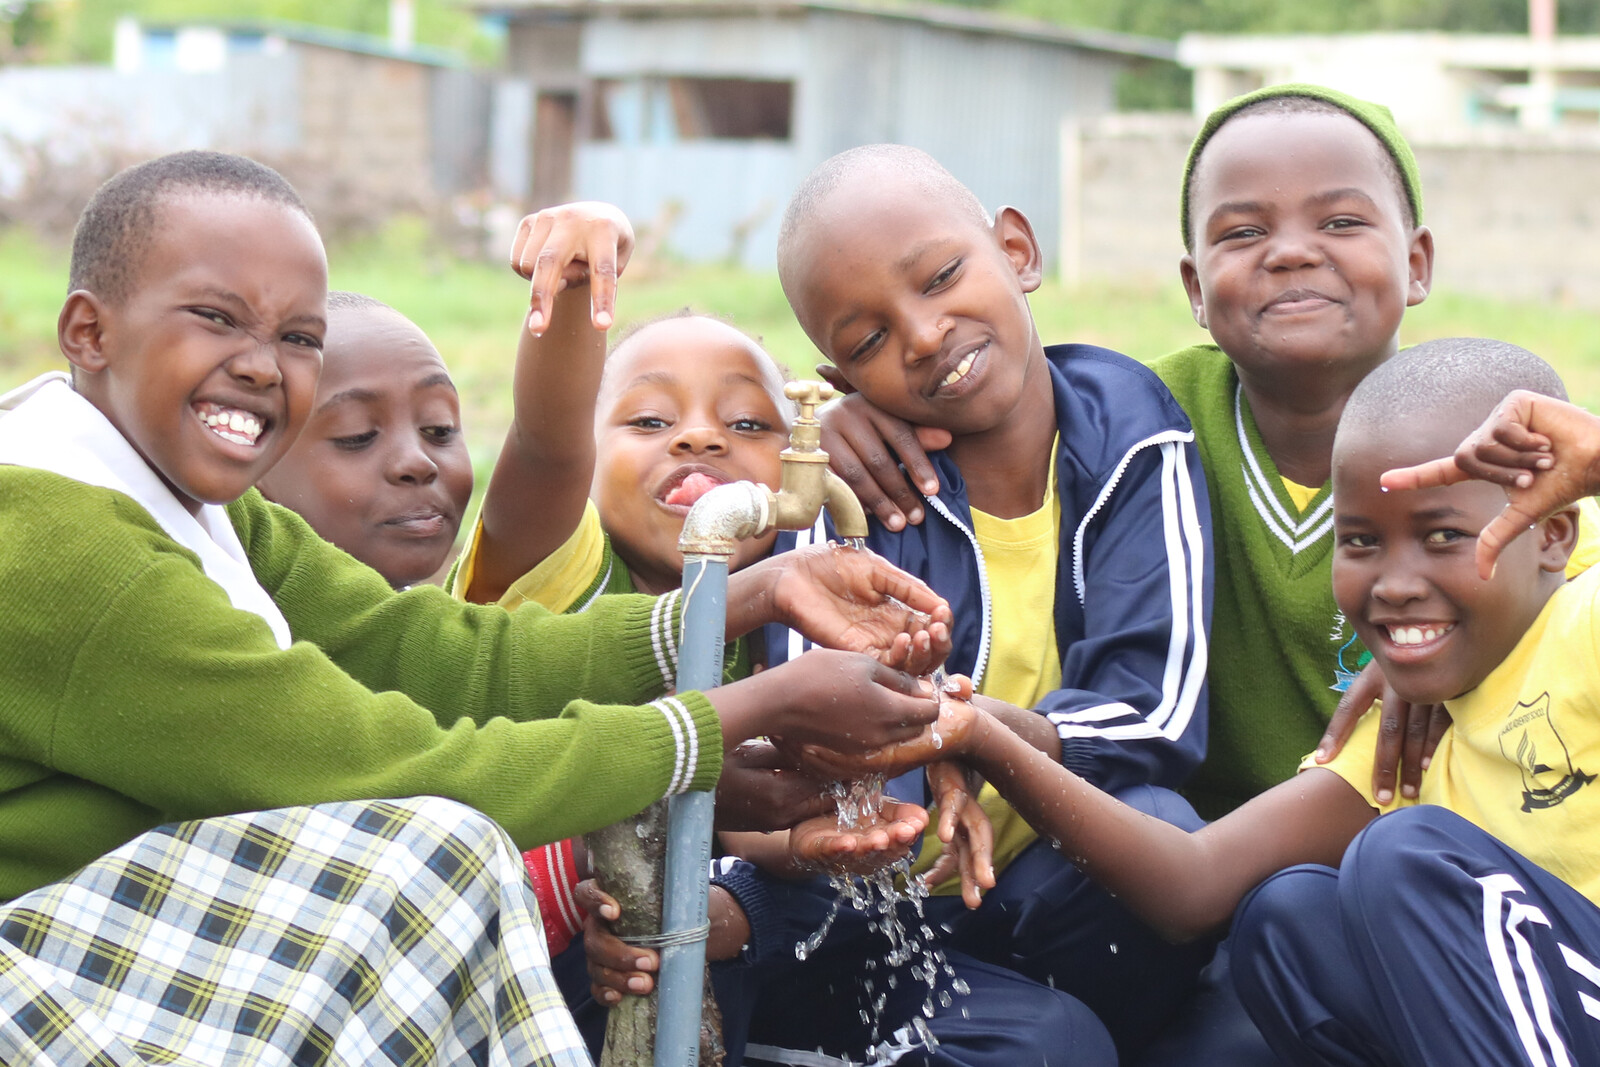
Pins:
x: 420, y: 131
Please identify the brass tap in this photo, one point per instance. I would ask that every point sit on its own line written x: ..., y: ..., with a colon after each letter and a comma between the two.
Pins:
x: 808, y: 485
x: 740, y: 510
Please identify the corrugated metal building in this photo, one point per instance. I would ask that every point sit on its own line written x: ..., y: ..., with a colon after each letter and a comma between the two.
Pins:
x: 703, y: 116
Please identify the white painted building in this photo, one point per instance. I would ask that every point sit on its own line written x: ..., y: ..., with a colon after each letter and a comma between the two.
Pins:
x: 1434, y: 81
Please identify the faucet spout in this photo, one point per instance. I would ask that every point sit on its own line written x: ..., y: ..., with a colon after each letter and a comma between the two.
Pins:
x: 849, y: 520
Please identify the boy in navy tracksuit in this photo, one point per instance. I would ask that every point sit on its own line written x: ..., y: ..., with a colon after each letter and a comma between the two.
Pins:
x: 1072, y: 545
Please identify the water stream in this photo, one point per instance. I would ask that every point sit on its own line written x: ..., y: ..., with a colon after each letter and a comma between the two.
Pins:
x: 912, y: 944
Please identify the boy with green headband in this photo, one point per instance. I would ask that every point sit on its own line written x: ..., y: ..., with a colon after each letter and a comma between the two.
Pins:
x: 1301, y: 214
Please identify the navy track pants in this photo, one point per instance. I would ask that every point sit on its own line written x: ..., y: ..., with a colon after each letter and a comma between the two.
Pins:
x: 1432, y: 944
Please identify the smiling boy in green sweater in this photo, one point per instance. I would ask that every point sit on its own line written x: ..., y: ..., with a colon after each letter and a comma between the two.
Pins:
x: 174, y: 647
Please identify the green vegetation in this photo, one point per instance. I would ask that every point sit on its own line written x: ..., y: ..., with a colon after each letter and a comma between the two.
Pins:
x: 472, y: 311
x: 79, y: 31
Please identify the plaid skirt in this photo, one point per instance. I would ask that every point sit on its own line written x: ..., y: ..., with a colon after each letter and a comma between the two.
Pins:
x: 373, y: 932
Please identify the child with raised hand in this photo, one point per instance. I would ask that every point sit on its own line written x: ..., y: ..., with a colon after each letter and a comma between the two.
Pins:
x: 1461, y: 928
x: 179, y: 649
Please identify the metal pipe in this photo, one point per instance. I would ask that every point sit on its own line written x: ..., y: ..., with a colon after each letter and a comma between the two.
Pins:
x: 715, y: 524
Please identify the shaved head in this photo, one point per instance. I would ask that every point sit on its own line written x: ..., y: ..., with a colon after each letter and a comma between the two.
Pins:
x: 1459, y: 379
x: 874, y: 165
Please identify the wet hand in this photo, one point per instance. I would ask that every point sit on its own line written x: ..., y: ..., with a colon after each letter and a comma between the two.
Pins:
x: 564, y: 247
x: 819, y: 843
x: 852, y: 599
x: 845, y: 701
x: 763, y: 789
x: 866, y: 448
x: 1545, y: 452
x: 947, y: 736
x: 964, y: 829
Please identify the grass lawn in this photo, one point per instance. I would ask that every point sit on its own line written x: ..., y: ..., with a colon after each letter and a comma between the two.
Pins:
x: 473, y: 310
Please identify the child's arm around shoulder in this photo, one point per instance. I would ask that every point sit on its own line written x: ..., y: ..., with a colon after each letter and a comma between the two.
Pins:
x: 572, y: 256
x: 1544, y: 451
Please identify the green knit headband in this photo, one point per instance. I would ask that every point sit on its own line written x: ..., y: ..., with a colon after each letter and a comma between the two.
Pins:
x: 1374, y: 117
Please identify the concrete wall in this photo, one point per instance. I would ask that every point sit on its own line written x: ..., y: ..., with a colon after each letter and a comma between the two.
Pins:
x: 1514, y: 213
x: 84, y: 115
x: 366, y: 118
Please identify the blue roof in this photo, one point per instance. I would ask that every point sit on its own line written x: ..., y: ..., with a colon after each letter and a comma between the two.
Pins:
x: 323, y: 37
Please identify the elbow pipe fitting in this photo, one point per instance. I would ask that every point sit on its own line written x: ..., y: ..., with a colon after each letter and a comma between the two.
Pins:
x: 725, y: 516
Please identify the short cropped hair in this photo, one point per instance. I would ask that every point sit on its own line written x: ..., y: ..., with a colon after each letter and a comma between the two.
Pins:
x: 1290, y: 102
x: 866, y: 162
x: 1465, y: 376
x: 345, y: 300
x: 114, y: 231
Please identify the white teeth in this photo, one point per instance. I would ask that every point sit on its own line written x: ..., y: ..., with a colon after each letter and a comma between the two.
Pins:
x: 240, y: 427
x: 960, y: 372
x: 1417, y: 635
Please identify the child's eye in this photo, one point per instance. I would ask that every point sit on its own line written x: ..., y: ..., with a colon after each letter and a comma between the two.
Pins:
x: 1241, y: 233
x: 1358, y: 541
x: 943, y: 277
x: 355, y: 442
x: 750, y: 425
x: 865, y: 346
x: 647, y: 422
x: 1445, y: 537
x: 303, y: 340
x: 1345, y: 222
x: 212, y: 315
x: 440, y: 434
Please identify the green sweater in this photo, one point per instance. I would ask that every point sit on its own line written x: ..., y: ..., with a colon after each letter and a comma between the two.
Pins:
x: 1281, y: 652
x: 132, y: 693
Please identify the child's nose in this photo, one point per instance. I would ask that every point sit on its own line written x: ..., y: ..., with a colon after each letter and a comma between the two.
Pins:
x: 927, y: 336
x: 1290, y: 248
x: 699, y: 437
x: 257, y: 366
x: 1399, y: 585
x: 411, y: 465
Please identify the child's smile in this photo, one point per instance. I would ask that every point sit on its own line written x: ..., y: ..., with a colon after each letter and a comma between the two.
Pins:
x: 921, y: 307
x: 209, y: 366
x: 1405, y: 571
x: 1301, y: 254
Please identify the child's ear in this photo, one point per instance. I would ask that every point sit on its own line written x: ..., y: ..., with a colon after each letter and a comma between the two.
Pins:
x: 80, y: 329
x: 1015, y: 234
x: 1558, y: 536
x: 1191, y: 285
x: 1420, y: 261
x: 830, y: 374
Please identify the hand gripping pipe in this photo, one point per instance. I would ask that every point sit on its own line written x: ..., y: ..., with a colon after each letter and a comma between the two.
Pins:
x: 715, y: 524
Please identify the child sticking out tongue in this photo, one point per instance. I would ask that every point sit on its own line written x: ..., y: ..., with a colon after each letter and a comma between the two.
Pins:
x: 691, y: 489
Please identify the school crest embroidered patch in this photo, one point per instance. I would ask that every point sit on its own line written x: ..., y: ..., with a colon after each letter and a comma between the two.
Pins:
x: 1530, y: 740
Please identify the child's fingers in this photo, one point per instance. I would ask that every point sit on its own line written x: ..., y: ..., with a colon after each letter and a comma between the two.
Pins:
x: 1424, y: 475
x: 529, y: 236
x: 906, y: 441
x: 602, y: 255
x: 1418, y: 725
x: 1504, y: 528
x: 595, y: 901
x: 549, y: 261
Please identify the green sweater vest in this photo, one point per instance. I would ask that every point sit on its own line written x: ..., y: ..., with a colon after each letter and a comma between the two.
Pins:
x: 1281, y: 652
x: 132, y: 693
